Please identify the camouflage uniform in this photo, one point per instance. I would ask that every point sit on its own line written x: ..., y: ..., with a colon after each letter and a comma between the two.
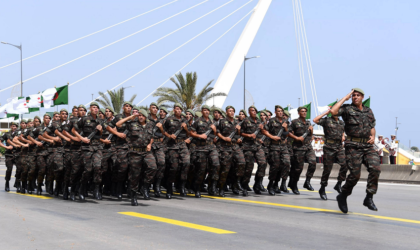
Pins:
x: 33, y: 151
x: 109, y: 155
x: 20, y: 168
x: 41, y: 156
x: 286, y: 170
x: 139, y: 158
x: 30, y: 161
x: 302, y: 151
x: 158, y: 148
x: 121, y: 146
x: 10, y: 155
x: 205, y: 150
x: 358, y: 125
x: 55, y: 160
x: 333, y: 148
x: 252, y: 152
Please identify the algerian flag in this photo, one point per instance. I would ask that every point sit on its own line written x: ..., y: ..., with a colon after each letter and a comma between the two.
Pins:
x: 47, y: 97
x: 367, y: 102
x: 18, y: 106
x: 308, y: 108
x: 62, y: 95
x: 293, y: 114
x: 3, y: 112
x: 323, y: 109
x: 33, y: 101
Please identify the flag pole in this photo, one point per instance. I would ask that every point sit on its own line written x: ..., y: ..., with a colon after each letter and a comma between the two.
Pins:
x: 68, y: 100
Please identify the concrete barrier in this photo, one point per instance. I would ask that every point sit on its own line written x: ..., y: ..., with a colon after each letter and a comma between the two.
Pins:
x: 389, y: 173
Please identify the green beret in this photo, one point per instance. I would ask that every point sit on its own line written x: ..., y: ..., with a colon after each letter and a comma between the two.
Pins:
x: 102, y: 110
x: 154, y: 104
x: 136, y: 108
x: 178, y: 105
x: 110, y: 109
x: 82, y: 106
x: 278, y: 106
x: 183, y: 114
x: 46, y: 114
x: 243, y: 111
x: 23, y: 120
x: 286, y: 113
x: 252, y: 106
x: 191, y: 111
x: 56, y: 113
x: 30, y: 120
x: 265, y: 112
x: 129, y: 103
x: 205, y: 107
x: 74, y: 107
x: 223, y: 115
x: 94, y: 104
x: 359, y: 90
x: 64, y: 110
x: 268, y: 111
x: 198, y: 114
x: 13, y: 123
x: 300, y: 108
x: 230, y: 107
x: 37, y: 117
x: 218, y: 110
x: 143, y: 112
x: 164, y: 109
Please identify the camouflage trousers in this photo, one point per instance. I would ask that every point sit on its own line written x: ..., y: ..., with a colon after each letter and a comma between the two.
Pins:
x: 141, y: 162
x: 109, y: 157
x: 29, y: 168
x: 55, y: 166
x: 10, y: 160
x: 285, y: 172
x: 206, y: 158
x: 252, y: 156
x: 278, y: 160
x: 299, y: 157
x: 73, y: 163
x: 20, y: 158
x: 159, y: 154
x: 333, y: 154
x: 121, y: 164
x: 41, y: 163
x: 92, y: 161
x: 355, y: 156
x: 175, y: 158
x: 227, y: 158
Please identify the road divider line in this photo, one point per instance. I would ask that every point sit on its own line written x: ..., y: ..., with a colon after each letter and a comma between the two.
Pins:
x: 178, y: 223
x: 33, y: 195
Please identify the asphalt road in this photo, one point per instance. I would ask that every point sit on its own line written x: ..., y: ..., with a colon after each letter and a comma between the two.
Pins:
x: 233, y: 222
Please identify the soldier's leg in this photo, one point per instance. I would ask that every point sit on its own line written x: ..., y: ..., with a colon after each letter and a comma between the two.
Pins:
x: 262, y: 166
x: 87, y: 172
x: 18, y: 171
x: 274, y: 161
x: 122, y: 170
x: 297, y: 168
x: 31, y: 172
x: 238, y: 170
x: 374, y: 169
x: 249, y: 166
x: 284, y: 169
x: 42, y: 168
x: 341, y: 160
x: 226, y: 158
x: 329, y: 157
x: 97, y: 173
x: 9, y: 167
x: 172, y: 171
x: 311, y: 159
x: 200, y: 171
x: 76, y: 171
x: 185, y: 161
x: 135, y: 162
x: 58, y: 163
x: 24, y: 173
x: 354, y: 159
x: 160, y: 162
x: 49, y: 174
x: 214, y: 167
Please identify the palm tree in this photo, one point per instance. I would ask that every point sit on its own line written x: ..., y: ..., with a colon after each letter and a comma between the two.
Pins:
x: 184, y: 93
x: 115, y: 99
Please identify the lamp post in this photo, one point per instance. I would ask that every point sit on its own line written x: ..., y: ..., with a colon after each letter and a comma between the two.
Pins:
x: 21, y: 69
x: 246, y: 58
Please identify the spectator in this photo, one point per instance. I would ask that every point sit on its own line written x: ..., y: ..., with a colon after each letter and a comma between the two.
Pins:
x: 393, y: 150
x: 380, y: 147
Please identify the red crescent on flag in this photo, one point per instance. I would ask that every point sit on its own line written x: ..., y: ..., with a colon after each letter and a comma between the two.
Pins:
x: 55, y: 96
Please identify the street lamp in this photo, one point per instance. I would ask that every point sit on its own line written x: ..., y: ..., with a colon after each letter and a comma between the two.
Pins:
x: 247, y: 58
x: 21, y: 70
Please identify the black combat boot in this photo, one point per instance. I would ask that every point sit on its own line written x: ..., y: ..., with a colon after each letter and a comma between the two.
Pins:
x: 182, y: 190
x: 65, y: 192
x: 283, y: 187
x: 156, y: 187
x: 134, y: 198
x: 114, y: 189
x: 236, y: 185
x: 246, y: 187
x: 276, y: 187
x: 256, y: 186
x: 210, y: 190
x: 226, y: 188
x: 197, y: 191
x: 290, y: 184
x: 337, y: 187
x: 57, y: 188
x: 214, y: 187
x: 368, y: 202
x: 73, y: 193
x: 50, y: 187
x: 17, y: 185
x: 119, y: 190
x: 39, y: 189
x: 97, y: 192
x: 6, y: 187
x: 294, y: 187
x: 307, y: 184
x: 145, y: 191
x: 221, y: 190
x: 169, y: 190
x: 82, y: 191
x: 342, y: 202
x: 322, y: 193
x: 271, y: 188
x: 262, y: 188
x: 106, y: 190
x: 23, y: 187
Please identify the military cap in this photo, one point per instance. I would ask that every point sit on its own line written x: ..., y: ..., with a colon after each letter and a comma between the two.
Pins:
x: 154, y: 104
x: 56, y: 113
x: 359, y: 90
x: 178, y: 105
x: 230, y: 107
x: 205, y: 107
x: 135, y: 108
x: 243, y: 111
x: 143, y: 112
x: 252, y: 106
x: 198, y: 114
x: 191, y: 111
x: 64, y: 110
x: 300, y: 108
x: 13, y: 123
x: 278, y: 106
x: 268, y: 111
x: 37, y: 117
x: 218, y: 110
x: 129, y: 103
x: 82, y: 106
x: 183, y: 114
x: 110, y: 109
x: 164, y: 109
x: 74, y: 107
x: 30, y: 120
x: 24, y: 121
x: 102, y: 110
x: 286, y: 113
x: 46, y: 114
x: 265, y: 112
x: 94, y: 104
x: 223, y: 114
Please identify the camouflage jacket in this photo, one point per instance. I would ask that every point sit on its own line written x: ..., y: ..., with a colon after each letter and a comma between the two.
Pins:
x: 8, y: 135
x: 157, y: 136
x: 201, y: 126
x: 358, y: 123
x: 140, y: 135
x: 249, y: 126
x: 88, y: 125
x: 119, y: 142
x: 273, y: 127
x: 299, y: 128
x: 333, y: 130
x: 171, y: 125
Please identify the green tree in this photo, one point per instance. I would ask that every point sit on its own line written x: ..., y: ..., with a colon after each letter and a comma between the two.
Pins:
x: 185, y: 92
x: 415, y: 149
x: 115, y: 99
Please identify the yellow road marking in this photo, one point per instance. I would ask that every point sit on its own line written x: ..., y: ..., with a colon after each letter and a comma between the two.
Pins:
x: 34, y: 196
x: 178, y: 223
x: 5, y: 176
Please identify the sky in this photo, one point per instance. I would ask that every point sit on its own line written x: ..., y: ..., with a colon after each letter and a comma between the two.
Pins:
x: 373, y: 45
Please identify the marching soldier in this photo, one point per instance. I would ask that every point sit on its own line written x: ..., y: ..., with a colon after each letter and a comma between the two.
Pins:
x: 286, y: 170
x: 21, y: 155
x: 360, y: 130
x: 42, y: 152
x: 9, y: 154
x: 333, y: 150
x: 34, y: 168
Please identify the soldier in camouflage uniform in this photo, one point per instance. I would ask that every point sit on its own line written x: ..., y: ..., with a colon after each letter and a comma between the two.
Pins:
x: 205, y: 151
x: 157, y: 147
x: 30, y: 158
x: 263, y: 140
x: 229, y: 150
x: 286, y: 170
x: 279, y: 154
x: 9, y: 154
x: 333, y: 149
x: 42, y: 152
x: 33, y: 168
x: 91, y: 149
x: 250, y: 128
x: 190, y: 114
x: 21, y: 154
x: 141, y: 155
x: 360, y: 130
x: 177, y: 150
x: 302, y: 151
